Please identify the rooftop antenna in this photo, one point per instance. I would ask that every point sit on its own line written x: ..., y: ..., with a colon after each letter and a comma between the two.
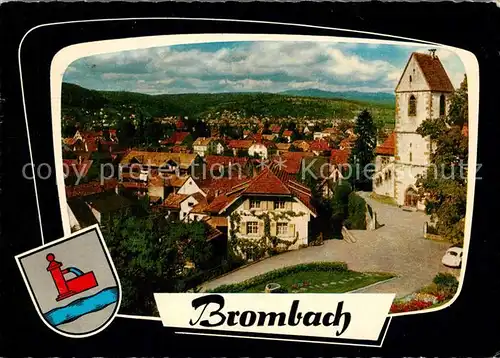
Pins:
x: 432, y: 52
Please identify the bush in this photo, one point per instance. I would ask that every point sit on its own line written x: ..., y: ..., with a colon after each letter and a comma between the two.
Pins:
x: 356, y: 217
x: 446, y: 283
x: 444, y: 286
x: 272, y: 275
x: 446, y: 280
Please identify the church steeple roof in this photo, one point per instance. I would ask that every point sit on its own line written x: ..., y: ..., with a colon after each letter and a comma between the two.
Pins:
x: 434, y: 72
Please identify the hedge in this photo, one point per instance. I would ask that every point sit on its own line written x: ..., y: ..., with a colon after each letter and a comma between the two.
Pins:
x: 356, y: 219
x: 271, y: 275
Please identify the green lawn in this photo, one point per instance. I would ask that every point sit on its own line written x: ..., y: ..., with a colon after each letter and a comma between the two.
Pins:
x: 323, y: 281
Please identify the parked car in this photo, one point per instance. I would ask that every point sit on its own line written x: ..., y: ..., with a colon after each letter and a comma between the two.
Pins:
x: 453, y: 257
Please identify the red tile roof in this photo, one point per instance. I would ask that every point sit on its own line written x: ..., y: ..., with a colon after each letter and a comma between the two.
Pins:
x: 387, y: 148
x: 90, y: 188
x: 73, y: 168
x: 240, y: 144
x: 175, y: 138
x: 275, y: 128
x: 214, y: 161
x: 173, y: 201
x: 287, y: 133
x: 216, y: 221
x: 134, y: 185
x: 213, y: 186
x: 340, y: 156
x: 267, y: 183
x: 220, y: 202
x: 319, y: 145
x: 179, y: 124
x: 434, y: 72
x: 179, y: 149
x: 346, y: 143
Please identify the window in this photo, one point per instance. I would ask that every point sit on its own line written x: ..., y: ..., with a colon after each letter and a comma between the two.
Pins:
x: 279, y: 204
x: 412, y: 106
x: 254, y: 204
x: 442, y: 105
x: 282, y: 229
x: 252, y: 227
x: 410, y: 78
x: 411, y: 157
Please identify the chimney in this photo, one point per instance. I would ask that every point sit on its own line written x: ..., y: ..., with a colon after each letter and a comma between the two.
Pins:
x: 432, y: 52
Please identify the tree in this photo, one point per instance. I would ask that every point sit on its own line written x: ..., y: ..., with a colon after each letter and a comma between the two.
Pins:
x: 153, y: 133
x: 150, y: 252
x: 188, y: 141
x: 444, y: 185
x: 125, y: 132
x: 363, y: 152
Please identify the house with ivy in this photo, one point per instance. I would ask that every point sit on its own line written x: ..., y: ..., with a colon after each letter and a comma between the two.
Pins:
x: 265, y: 214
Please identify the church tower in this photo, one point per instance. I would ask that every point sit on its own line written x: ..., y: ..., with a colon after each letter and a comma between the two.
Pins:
x: 422, y: 92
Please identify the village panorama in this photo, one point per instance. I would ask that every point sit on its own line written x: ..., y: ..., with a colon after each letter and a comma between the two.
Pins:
x: 226, y: 168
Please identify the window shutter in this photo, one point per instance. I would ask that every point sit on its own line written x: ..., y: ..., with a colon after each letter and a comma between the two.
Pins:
x: 273, y: 228
x: 291, y: 229
x: 261, y: 228
x: 243, y: 228
x: 246, y: 204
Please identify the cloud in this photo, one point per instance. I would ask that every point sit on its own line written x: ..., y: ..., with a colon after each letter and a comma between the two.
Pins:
x: 249, y: 66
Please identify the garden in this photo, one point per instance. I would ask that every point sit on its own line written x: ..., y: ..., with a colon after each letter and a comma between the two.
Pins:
x: 440, y: 291
x: 316, y: 277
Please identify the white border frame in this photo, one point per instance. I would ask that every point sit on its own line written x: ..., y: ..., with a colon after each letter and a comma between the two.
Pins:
x: 468, y: 59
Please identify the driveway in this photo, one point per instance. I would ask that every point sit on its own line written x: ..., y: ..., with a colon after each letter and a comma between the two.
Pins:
x: 397, y: 247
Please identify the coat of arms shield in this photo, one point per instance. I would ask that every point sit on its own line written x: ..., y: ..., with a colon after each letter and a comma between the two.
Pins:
x: 73, y: 283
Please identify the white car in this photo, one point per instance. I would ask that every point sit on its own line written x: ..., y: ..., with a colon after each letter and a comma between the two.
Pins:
x: 453, y: 257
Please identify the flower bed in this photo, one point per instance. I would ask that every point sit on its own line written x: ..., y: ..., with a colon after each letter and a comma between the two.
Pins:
x: 442, y: 289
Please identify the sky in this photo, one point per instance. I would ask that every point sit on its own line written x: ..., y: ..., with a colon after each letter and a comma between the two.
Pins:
x: 261, y: 66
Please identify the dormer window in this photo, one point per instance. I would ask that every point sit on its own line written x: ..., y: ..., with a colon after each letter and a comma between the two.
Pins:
x: 412, y: 106
x: 254, y: 204
x: 279, y: 204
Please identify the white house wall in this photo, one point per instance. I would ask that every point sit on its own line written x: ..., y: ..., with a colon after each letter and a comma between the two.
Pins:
x: 196, y: 217
x: 189, y: 188
x: 386, y: 187
x: 417, y: 83
x: 186, y: 208
x: 300, y: 222
x: 258, y: 149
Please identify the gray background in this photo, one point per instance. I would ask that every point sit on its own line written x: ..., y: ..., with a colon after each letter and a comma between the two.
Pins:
x: 83, y: 252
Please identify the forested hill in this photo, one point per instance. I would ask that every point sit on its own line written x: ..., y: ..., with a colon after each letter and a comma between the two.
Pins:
x: 371, y: 97
x: 76, y: 101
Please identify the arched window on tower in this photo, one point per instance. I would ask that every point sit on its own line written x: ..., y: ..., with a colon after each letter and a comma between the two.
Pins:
x: 412, y: 106
x: 442, y: 105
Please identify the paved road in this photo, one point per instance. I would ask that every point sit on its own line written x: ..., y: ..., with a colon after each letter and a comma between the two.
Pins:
x: 397, y: 247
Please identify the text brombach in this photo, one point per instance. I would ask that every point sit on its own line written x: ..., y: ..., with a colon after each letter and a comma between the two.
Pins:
x: 217, y: 317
